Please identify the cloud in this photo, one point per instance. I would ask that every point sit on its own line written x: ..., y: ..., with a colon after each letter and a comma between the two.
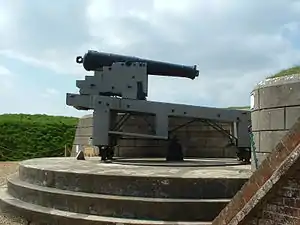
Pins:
x: 7, y: 80
x: 4, y: 71
x: 50, y: 92
x: 234, y: 43
x: 51, y: 62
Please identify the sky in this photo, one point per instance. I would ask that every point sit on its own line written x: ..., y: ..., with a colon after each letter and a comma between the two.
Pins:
x: 234, y: 43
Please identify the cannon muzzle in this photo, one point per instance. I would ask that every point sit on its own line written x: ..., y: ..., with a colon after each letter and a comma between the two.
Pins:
x: 94, y: 60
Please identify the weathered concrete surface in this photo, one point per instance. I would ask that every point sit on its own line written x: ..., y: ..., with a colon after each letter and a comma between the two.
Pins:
x: 128, y: 191
x: 7, y: 169
x: 198, y: 139
x: 271, y: 196
x: 275, y: 110
x: 202, y: 168
x: 48, y: 216
x: 130, y: 180
x: 117, y: 206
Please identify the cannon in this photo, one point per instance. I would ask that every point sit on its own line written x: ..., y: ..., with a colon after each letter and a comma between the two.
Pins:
x: 94, y: 60
x: 120, y: 85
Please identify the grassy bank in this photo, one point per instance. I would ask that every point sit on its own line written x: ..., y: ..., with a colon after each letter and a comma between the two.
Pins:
x: 25, y: 136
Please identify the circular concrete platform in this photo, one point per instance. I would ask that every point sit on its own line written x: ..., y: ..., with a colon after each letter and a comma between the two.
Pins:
x: 70, y: 191
x: 93, y: 166
x: 94, y: 176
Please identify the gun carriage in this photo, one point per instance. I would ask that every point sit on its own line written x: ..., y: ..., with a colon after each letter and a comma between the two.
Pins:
x: 120, y: 87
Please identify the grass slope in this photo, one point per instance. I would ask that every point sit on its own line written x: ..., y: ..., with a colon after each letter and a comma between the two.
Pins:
x: 287, y: 72
x: 239, y: 107
x: 24, y: 136
x: 282, y: 73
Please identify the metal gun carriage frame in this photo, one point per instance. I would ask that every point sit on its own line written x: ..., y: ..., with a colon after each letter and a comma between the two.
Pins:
x: 120, y: 87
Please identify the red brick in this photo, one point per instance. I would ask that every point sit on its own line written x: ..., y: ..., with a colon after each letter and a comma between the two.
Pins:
x: 281, y: 205
x: 297, y: 202
x: 289, y: 192
x: 255, y: 179
x: 249, y: 191
x: 296, y: 174
x: 291, y: 140
x: 291, y: 202
x: 277, y: 200
x: 279, y: 218
x: 292, y: 183
x: 265, y: 172
x: 271, y: 207
x: 265, y: 222
x: 233, y: 207
x: 278, y: 155
x: 252, y: 221
x: 283, y: 210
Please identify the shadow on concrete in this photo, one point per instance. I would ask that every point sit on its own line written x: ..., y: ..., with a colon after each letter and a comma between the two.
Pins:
x: 188, y: 162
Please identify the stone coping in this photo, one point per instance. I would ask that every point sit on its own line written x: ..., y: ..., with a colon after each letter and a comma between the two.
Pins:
x: 269, y: 82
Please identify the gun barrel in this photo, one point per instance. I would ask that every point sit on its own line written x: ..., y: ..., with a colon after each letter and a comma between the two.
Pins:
x: 94, y: 60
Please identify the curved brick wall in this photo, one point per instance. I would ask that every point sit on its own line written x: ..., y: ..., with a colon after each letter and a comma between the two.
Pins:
x: 198, y: 139
x: 276, y: 107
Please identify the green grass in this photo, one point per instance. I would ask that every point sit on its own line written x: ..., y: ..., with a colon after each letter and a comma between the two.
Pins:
x: 287, y: 72
x: 239, y: 107
x: 38, y: 119
x: 24, y: 136
x: 282, y: 73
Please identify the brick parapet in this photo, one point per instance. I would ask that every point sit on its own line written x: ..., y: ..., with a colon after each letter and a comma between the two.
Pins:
x: 250, y: 205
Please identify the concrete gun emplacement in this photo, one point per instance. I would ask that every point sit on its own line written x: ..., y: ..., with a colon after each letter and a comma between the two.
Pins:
x: 94, y: 60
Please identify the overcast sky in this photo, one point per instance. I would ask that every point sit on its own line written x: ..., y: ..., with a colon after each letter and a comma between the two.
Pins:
x: 235, y: 43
